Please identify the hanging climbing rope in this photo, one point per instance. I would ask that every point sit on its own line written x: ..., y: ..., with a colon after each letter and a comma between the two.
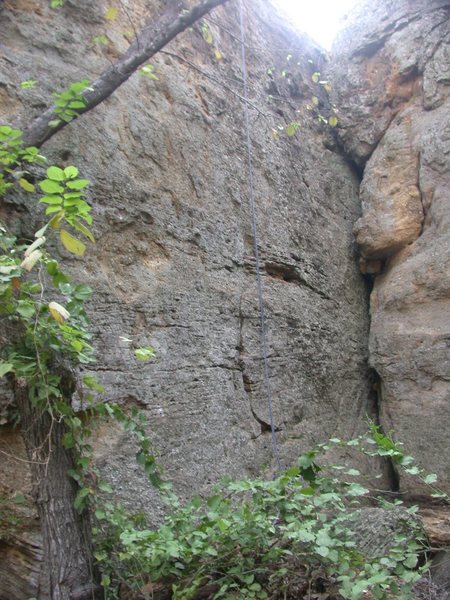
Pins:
x: 251, y: 195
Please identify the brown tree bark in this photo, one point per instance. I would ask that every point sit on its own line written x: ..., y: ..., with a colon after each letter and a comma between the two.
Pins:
x: 67, y: 570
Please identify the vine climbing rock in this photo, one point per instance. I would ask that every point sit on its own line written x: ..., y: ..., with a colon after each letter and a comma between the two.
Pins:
x: 391, y: 74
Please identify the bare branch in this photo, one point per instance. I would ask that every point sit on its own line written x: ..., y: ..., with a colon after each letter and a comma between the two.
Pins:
x: 150, y: 40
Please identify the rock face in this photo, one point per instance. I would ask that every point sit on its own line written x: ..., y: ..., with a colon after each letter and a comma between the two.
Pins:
x: 392, y: 87
x: 173, y: 265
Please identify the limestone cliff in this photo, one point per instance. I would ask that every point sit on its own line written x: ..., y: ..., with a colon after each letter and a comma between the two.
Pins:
x: 392, y: 76
x: 173, y: 265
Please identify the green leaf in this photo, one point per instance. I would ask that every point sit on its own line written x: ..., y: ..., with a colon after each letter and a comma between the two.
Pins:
x: 101, y: 40
x: 78, y: 184
x: 412, y: 470
x: 53, y: 209
x: 26, y: 309
x: 92, y: 383
x: 104, y: 487
x: 26, y: 185
x: 145, y: 353
x: 355, y: 489
x: 52, y: 199
x: 353, y: 472
x: 82, y: 292
x: 72, y: 244
x: 28, y: 84
x: 148, y: 70
x: 55, y: 174
x: 68, y: 441
x: 431, y: 478
x: 77, y: 104
x: 411, y: 561
x: 291, y: 129
x: 51, y: 187
x: 84, y: 230
x: 81, y: 499
x: 70, y: 172
x: 5, y: 368
x: 206, y: 33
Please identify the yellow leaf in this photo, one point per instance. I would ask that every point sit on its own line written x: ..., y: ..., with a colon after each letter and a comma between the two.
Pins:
x: 26, y: 185
x: 332, y: 121
x: 84, y: 230
x: 291, y: 129
x: 58, y: 312
x: 56, y: 220
x: 315, y: 100
x: 218, y: 54
x: 72, y: 244
x: 111, y: 13
x: 206, y: 32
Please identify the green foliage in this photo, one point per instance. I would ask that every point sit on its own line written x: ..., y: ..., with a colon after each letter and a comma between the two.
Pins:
x: 54, y: 335
x: 250, y: 537
x: 387, y: 447
x: 145, y: 353
x: 206, y: 32
x: 318, y: 104
x: 69, y: 102
x: 101, y: 40
x: 148, y: 71
x: 292, y: 128
x: 331, y: 120
x: 48, y: 328
x: 12, y: 156
x: 209, y: 39
x: 28, y: 84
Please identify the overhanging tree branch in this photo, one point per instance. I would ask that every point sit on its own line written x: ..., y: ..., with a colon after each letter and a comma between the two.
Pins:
x: 148, y: 42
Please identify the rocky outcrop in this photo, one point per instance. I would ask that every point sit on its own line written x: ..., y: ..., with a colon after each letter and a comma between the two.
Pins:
x: 173, y: 265
x: 392, y: 86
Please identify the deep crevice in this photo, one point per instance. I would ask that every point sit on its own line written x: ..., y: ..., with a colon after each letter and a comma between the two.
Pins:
x: 390, y: 472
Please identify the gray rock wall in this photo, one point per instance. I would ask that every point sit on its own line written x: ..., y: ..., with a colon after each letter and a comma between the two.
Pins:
x: 173, y: 265
x: 392, y: 86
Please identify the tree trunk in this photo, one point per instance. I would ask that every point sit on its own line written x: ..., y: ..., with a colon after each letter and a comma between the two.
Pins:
x: 67, y: 551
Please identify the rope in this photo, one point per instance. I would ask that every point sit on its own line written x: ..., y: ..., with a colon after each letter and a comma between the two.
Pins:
x: 251, y: 194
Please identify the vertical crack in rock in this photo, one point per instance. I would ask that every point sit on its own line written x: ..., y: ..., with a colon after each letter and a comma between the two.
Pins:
x: 390, y: 471
x: 393, y: 93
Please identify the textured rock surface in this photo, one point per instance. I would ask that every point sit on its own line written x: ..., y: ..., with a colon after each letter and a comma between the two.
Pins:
x: 392, y: 86
x: 173, y: 265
